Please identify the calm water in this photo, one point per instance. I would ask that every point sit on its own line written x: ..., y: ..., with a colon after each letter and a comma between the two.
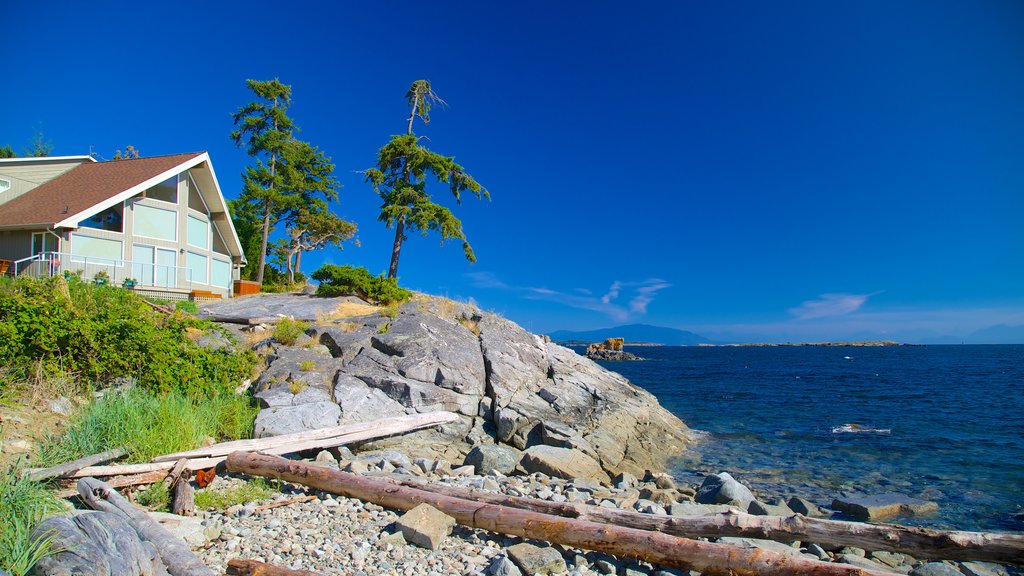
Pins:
x: 956, y: 415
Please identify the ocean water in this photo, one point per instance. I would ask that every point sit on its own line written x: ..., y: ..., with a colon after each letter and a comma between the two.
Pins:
x: 954, y: 415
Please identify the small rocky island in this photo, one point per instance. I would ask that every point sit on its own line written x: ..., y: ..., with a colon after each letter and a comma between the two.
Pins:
x: 610, y: 351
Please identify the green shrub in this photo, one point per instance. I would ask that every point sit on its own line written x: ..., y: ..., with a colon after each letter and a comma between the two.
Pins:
x: 22, y: 504
x: 288, y: 330
x: 252, y: 491
x: 97, y: 333
x: 156, y: 496
x: 187, y: 306
x: 351, y: 281
x: 149, y: 425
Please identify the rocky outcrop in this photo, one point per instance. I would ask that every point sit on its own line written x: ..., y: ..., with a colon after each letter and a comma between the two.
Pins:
x: 610, y: 350
x: 508, y: 386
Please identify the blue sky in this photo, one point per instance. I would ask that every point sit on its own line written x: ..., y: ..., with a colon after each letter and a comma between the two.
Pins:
x: 750, y: 171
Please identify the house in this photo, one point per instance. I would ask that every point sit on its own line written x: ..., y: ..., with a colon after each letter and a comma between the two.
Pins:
x: 160, y: 223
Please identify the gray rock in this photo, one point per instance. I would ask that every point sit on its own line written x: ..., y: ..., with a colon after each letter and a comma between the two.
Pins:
x: 561, y: 463
x: 724, y: 489
x: 95, y: 544
x: 861, y: 562
x: 536, y: 560
x: 982, y: 569
x: 325, y: 458
x: 935, y: 569
x: 425, y: 526
x: 502, y: 566
x: 882, y: 506
x: 776, y: 508
x: 773, y: 546
x: 61, y: 406
x: 805, y: 507
x: 686, y: 508
x: 189, y: 529
x: 487, y: 457
x: 288, y: 419
x: 892, y: 559
x: 818, y: 552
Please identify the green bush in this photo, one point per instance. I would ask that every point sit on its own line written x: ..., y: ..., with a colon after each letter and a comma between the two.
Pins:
x: 22, y: 504
x: 350, y: 281
x: 150, y: 425
x: 97, y: 333
x: 252, y: 491
x: 288, y: 330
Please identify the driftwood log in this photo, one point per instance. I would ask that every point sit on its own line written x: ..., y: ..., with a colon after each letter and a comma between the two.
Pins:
x: 238, y: 567
x: 69, y: 468
x: 923, y: 543
x: 210, y: 456
x: 123, y: 482
x: 179, y: 560
x: 183, y: 497
x: 706, y: 557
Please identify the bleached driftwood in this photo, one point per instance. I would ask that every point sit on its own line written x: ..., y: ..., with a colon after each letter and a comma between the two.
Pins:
x: 123, y: 482
x: 179, y: 560
x: 239, y: 567
x: 210, y: 456
x: 706, y: 557
x: 68, y: 468
x: 923, y: 543
x: 310, y: 439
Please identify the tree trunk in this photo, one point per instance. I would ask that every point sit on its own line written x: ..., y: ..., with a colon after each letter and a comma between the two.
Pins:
x: 265, y: 239
x: 298, y: 261
x: 396, y: 250
x: 180, y: 561
x: 706, y: 557
x: 922, y: 543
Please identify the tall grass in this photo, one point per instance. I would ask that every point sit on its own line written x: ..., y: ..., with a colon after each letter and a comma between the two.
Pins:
x: 22, y: 503
x: 149, y: 425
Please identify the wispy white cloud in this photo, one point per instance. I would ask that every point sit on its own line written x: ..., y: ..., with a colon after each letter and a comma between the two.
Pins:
x: 829, y: 305
x: 637, y: 295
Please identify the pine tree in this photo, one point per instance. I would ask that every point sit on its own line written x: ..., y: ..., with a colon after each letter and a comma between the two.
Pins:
x: 400, y: 180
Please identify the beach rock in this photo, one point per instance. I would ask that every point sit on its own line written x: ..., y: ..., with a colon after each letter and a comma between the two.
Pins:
x: 861, y: 562
x: 935, y: 569
x: 425, y: 526
x: 536, y: 560
x: 882, y: 506
x: 502, y: 566
x: 777, y: 547
x: 687, y: 508
x: 561, y: 463
x: 772, y: 508
x: 189, y: 529
x: 722, y: 488
x: 805, y: 507
x: 288, y: 419
x: 982, y: 569
x: 487, y: 457
x: 95, y: 544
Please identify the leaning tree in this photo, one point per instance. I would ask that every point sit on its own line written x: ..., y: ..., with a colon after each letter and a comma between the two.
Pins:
x: 400, y: 178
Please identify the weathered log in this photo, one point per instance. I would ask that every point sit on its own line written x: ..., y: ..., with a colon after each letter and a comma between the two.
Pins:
x: 310, y: 439
x: 123, y: 482
x: 183, y: 498
x: 193, y: 465
x: 239, y: 567
x: 922, y: 543
x: 706, y: 557
x: 180, y: 561
x: 68, y: 468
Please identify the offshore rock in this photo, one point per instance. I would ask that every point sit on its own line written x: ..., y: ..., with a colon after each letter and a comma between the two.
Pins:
x: 508, y: 386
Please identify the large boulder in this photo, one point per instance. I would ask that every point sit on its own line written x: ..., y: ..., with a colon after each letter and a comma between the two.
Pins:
x: 722, y: 488
x: 95, y: 544
x: 562, y: 463
x: 507, y: 386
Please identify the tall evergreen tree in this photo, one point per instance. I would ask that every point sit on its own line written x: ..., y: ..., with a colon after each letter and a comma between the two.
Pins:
x: 7, y: 152
x: 400, y: 179
x: 289, y: 174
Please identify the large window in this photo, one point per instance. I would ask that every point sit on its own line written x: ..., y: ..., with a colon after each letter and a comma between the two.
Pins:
x: 195, y: 197
x: 198, y: 232
x: 220, y: 273
x: 111, y: 219
x: 155, y: 222
x: 197, y: 267
x: 166, y: 191
x: 95, y: 250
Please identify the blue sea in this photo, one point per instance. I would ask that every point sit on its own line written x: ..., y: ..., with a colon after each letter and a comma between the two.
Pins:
x: 954, y: 415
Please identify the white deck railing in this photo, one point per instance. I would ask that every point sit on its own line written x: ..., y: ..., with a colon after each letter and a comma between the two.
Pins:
x: 145, y: 274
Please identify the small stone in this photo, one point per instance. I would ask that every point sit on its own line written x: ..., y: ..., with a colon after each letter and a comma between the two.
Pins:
x: 502, y: 566
x: 396, y: 539
x: 805, y: 507
x: 982, y: 569
x: 891, y: 559
x: 665, y: 482
x: 818, y: 551
x: 425, y: 526
x: 605, y: 567
x: 326, y: 459
x: 861, y: 562
x: 935, y: 569
x: 536, y: 560
x: 61, y: 406
x: 624, y: 480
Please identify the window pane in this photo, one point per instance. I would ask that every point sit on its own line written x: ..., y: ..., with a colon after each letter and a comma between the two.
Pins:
x: 166, y: 191
x: 197, y: 267
x: 195, y: 198
x: 97, y: 250
x: 221, y: 274
x: 155, y: 222
x: 110, y: 219
x: 166, y: 271
x: 142, y: 264
x: 198, y: 232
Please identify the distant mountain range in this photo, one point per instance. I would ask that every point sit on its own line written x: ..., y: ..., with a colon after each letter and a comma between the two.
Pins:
x: 633, y: 333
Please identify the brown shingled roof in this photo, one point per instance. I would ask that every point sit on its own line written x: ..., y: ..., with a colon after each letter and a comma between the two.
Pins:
x: 83, y: 187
